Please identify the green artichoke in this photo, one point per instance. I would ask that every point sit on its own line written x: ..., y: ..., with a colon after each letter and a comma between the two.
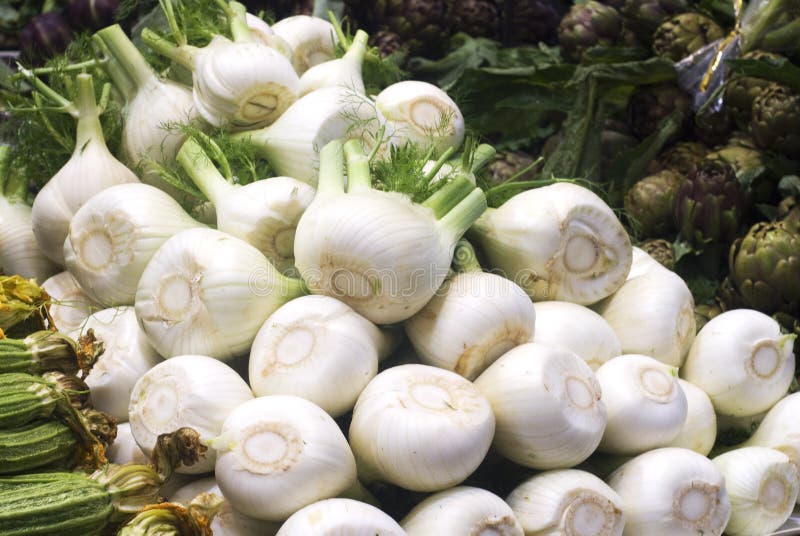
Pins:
x: 661, y: 250
x: 420, y: 24
x: 587, y: 25
x: 529, y: 21
x: 747, y: 163
x: 644, y: 16
x: 386, y: 41
x: 775, y: 122
x: 682, y: 157
x: 506, y: 164
x: 740, y: 138
x: 703, y: 312
x: 478, y: 18
x: 765, y: 268
x: 649, y: 203
x: 649, y: 105
x: 713, y: 128
x: 683, y: 34
x: 709, y: 205
x: 742, y: 90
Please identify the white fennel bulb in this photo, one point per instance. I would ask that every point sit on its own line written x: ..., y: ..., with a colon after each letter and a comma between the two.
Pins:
x: 663, y: 307
x: 124, y: 448
x: 672, y: 492
x: 742, y: 361
x: 462, y: 510
x: 19, y: 252
x: 293, y: 142
x: 277, y: 454
x: 90, y: 169
x: 340, y: 517
x: 263, y: 213
x: 227, y: 521
x: 780, y: 428
x: 400, y: 422
x: 567, y: 502
x: 577, y: 328
x: 762, y: 485
x: 126, y: 357
x: 114, y: 235
x: 377, y: 251
x: 70, y: 305
x: 192, y: 391
x: 317, y: 348
x: 474, y: 318
x: 153, y: 106
x: 344, y: 71
x: 559, y: 242
x: 262, y: 32
x: 312, y: 40
x: 548, y: 406
x: 207, y: 292
x: 699, y: 430
x: 420, y: 113
x: 646, y: 405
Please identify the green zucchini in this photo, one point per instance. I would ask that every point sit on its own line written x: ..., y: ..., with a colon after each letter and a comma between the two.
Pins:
x: 37, y: 444
x: 48, y: 350
x: 25, y: 397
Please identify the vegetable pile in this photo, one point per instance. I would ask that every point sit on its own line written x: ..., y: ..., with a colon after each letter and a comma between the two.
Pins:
x: 306, y: 276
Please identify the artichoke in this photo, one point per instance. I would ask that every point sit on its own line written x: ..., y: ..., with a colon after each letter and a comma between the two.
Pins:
x: 478, y: 18
x: 740, y: 138
x: 742, y: 90
x: 747, y: 163
x: 386, y: 41
x: 713, y: 128
x: 709, y: 205
x: 765, y: 268
x: 649, y: 203
x: 649, y: 105
x: 683, y: 34
x: 529, y: 21
x: 661, y: 250
x: 587, y: 25
x: 775, y: 120
x: 420, y: 24
x: 682, y: 157
x: 703, y: 312
x: 506, y: 164
x: 644, y: 16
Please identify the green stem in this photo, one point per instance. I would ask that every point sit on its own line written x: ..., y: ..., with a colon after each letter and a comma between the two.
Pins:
x: 761, y: 23
x: 5, y: 166
x: 89, y: 128
x: 172, y: 21
x: 202, y: 171
x: 115, y: 71
x: 358, y: 48
x: 331, y: 169
x: 520, y: 185
x: 127, y: 56
x: 483, y: 155
x: 467, y: 212
x: 183, y: 54
x: 47, y: 91
x: 784, y: 37
x: 358, y: 176
x: 448, y: 196
x: 237, y: 14
x: 438, y: 165
x: 337, y: 26
x: 79, y: 66
x: 293, y: 288
x: 464, y: 257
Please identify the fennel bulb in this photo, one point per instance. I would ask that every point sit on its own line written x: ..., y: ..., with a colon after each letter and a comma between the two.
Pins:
x: 124, y: 448
x: 334, y: 517
x: 377, y: 251
x: 672, y: 492
x: 567, y: 501
x: 70, y: 306
x: 699, y: 430
x: 192, y: 391
x: 19, y: 251
x: 312, y: 40
x: 90, y: 169
x: 207, y: 292
x: 547, y: 404
x: 559, y: 242
x: 762, y: 485
x: 742, y: 361
x: 114, y: 235
x: 262, y: 32
x: 474, y: 318
x: 292, y: 143
x: 780, y: 428
x: 403, y: 415
x: 227, y: 521
x: 317, y: 348
x: 153, y: 106
x: 127, y: 356
x: 577, y: 328
x: 241, y: 83
x: 263, y: 213
x: 646, y: 405
x: 344, y: 71
x: 663, y: 309
x: 420, y: 113
x: 277, y: 454
x: 462, y: 510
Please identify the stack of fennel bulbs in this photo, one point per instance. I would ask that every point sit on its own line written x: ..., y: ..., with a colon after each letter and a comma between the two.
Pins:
x: 345, y: 356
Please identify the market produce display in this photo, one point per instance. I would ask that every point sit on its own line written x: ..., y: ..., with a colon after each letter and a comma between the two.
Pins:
x: 423, y: 267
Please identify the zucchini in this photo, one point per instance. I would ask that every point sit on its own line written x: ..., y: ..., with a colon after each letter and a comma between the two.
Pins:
x: 47, y: 350
x: 25, y: 397
x: 37, y: 444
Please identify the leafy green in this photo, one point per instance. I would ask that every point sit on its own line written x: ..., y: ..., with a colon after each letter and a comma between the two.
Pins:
x: 775, y: 69
x: 402, y: 171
